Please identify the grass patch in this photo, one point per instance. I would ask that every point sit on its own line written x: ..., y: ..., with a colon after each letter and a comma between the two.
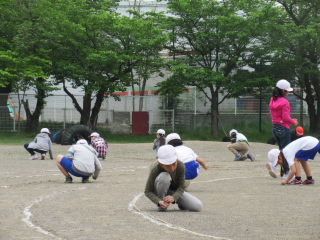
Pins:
x: 251, y: 129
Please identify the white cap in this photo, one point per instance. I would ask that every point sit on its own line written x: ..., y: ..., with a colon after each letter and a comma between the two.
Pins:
x: 273, y: 155
x: 95, y: 134
x: 82, y: 141
x: 167, y: 155
x: 233, y: 130
x: 172, y: 136
x: 45, y: 130
x: 161, y: 131
x: 284, y: 85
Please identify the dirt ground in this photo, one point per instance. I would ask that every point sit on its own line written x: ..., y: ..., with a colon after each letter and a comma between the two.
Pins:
x: 241, y: 200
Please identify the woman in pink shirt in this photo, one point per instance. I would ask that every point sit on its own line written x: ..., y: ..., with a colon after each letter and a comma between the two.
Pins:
x: 280, y: 110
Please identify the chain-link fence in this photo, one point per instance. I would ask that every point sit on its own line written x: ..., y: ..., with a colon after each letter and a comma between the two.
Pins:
x: 190, y: 110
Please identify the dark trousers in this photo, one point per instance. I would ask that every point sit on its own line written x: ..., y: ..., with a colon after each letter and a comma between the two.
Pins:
x: 282, y: 135
x: 32, y: 151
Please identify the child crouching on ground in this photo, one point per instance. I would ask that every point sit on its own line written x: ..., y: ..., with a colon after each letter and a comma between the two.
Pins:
x: 294, y: 155
x: 185, y: 154
x: 166, y: 183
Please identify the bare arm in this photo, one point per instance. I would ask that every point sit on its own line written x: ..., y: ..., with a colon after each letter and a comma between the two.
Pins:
x: 202, y: 163
x: 291, y: 175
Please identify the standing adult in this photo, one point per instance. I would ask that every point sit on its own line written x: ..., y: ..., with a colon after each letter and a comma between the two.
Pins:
x: 280, y: 110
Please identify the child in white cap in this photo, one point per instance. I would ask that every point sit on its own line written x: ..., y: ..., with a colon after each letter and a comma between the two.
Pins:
x: 166, y: 182
x: 294, y: 135
x: 159, y: 140
x: 81, y: 160
x: 99, y: 144
x: 41, y: 144
x: 295, y: 155
x: 185, y: 154
x: 239, y: 146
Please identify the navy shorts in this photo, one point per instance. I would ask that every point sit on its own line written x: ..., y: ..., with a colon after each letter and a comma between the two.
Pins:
x: 308, y: 154
x: 67, y: 165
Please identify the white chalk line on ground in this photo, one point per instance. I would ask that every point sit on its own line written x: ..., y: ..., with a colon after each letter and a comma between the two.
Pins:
x: 28, y: 214
x: 134, y: 209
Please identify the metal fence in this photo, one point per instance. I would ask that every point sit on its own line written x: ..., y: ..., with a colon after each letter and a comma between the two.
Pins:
x: 59, y: 111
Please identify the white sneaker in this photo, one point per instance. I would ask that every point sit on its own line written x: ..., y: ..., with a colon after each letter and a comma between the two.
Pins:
x: 34, y: 157
x: 272, y: 173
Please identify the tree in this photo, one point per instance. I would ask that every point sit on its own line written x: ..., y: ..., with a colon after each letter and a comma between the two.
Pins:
x: 83, y: 54
x: 214, y: 38
x: 141, y: 39
x: 24, y: 53
x: 295, y: 42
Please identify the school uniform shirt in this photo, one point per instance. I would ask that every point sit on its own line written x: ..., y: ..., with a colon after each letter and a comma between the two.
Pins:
x: 177, y: 181
x: 238, y: 137
x: 280, y: 112
x: 303, y: 148
x: 241, y: 138
x: 188, y: 157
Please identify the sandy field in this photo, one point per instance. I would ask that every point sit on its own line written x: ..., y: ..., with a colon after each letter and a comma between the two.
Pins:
x: 241, y: 201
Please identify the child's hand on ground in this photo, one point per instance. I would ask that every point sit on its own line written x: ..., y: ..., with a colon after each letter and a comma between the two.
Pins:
x: 205, y: 166
x: 164, y: 204
x: 284, y: 182
x: 168, y: 199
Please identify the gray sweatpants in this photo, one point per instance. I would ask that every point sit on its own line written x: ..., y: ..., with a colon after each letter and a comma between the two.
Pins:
x: 185, y: 202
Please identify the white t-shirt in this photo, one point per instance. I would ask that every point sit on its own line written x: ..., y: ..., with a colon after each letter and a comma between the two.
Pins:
x: 303, y: 143
x: 185, y: 154
x: 241, y: 137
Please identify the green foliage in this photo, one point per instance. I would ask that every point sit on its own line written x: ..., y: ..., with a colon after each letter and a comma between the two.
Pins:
x: 216, y: 40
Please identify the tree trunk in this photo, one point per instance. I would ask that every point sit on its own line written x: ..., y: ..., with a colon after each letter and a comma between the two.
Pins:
x: 143, y: 87
x: 311, y: 88
x: 96, y: 109
x: 86, y: 110
x: 214, y: 112
x: 33, y: 118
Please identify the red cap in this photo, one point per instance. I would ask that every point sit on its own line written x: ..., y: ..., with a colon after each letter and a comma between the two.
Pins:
x: 300, y: 131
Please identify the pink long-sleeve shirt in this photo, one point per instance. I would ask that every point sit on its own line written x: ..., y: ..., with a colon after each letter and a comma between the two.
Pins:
x: 280, y: 112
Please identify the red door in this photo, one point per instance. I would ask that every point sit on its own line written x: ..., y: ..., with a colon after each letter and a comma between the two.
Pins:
x: 140, y: 123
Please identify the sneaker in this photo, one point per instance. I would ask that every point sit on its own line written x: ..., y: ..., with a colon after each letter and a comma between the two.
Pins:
x: 271, y: 172
x: 251, y: 157
x: 68, y: 179
x: 238, y: 157
x: 34, y: 157
x: 295, y: 182
x: 306, y: 182
x: 43, y: 156
x: 86, y: 180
